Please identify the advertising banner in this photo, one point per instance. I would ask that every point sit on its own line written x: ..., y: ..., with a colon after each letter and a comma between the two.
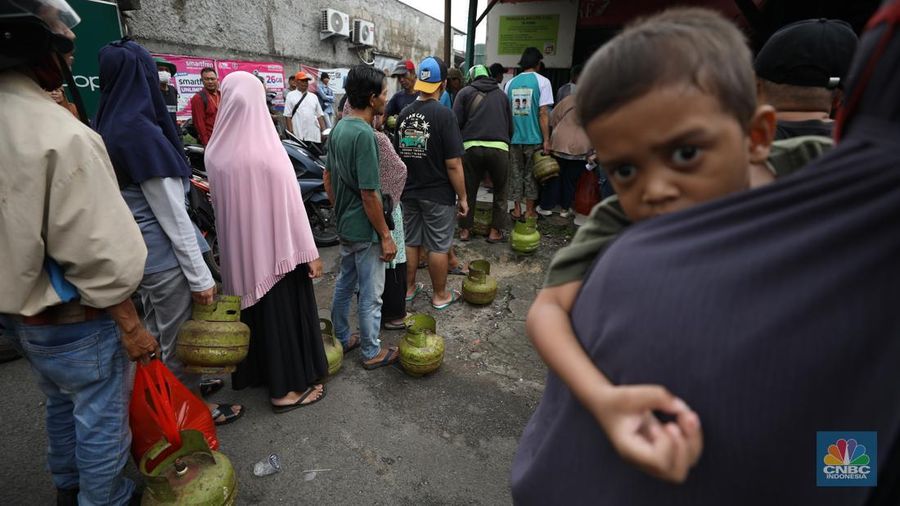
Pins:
x: 186, y: 80
x: 271, y: 72
x: 335, y: 82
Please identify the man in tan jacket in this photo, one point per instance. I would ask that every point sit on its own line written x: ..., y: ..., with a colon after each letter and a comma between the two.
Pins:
x: 72, y: 256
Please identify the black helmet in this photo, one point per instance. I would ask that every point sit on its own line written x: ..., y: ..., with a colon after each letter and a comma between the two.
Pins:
x: 31, y: 29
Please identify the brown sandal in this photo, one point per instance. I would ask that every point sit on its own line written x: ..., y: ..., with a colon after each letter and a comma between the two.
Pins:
x: 354, y: 343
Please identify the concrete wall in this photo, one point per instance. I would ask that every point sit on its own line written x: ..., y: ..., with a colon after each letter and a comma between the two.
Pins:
x: 286, y: 31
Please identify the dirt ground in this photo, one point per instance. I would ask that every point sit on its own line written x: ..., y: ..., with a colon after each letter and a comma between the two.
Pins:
x: 379, y: 437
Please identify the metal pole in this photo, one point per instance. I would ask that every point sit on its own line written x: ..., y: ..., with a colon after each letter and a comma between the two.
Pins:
x: 448, y: 35
x: 470, y: 34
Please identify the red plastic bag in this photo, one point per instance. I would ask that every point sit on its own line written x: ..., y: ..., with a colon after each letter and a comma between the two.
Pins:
x: 587, y: 192
x: 161, y: 406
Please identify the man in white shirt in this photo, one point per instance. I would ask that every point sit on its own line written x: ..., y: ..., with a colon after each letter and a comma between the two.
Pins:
x: 304, y: 116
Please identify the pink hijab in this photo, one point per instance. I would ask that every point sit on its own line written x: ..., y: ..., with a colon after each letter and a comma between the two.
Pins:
x: 261, y: 223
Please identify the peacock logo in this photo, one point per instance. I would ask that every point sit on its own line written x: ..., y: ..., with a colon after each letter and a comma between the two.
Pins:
x: 846, y: 452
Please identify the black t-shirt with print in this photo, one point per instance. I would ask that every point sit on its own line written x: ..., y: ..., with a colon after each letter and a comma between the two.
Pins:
x: 427, y: 136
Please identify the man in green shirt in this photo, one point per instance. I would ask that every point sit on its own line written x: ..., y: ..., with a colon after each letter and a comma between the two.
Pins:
x: 354, y: 186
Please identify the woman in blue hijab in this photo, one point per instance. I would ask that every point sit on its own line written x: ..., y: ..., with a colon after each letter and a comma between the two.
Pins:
x: 154, y: 177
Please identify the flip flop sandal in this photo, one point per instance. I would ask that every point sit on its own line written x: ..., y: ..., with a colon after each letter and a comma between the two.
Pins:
x: 354, y: 343
x: 419, y: 287
x: 299, y: 403
x: 497, y: 241
x: 211, y: 386
x: 514, y: 217
x: 227, y: 411
x: 466, y: 238
x: 455, y: 296
x: 423, y: 265
x: 389, y: 358
x: 457, y: 271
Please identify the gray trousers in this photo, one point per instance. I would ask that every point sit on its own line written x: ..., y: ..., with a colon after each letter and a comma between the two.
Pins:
x: 166, y: 300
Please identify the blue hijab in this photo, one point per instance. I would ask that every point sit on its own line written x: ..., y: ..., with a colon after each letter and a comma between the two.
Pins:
x: 133, y: 120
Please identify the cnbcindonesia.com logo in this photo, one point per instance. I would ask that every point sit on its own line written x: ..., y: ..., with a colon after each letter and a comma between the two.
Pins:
x: 847, y: 459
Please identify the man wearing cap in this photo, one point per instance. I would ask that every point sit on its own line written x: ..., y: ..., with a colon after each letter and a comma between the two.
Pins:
x: 485, y: 121
x: 205, y: 104
x: 800, y: 72
x: 72, y: 256
x: 454, y: 84
x: 303, y: 114
x: 430, y: 144
x: 405, y: 72
x: 533, y: 95
x: 166, y: 70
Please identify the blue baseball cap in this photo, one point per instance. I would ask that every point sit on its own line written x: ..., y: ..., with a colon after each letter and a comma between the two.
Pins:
x: 432, y: 72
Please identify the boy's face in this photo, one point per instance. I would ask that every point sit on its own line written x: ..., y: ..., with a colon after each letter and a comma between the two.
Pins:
x: 673, y: 148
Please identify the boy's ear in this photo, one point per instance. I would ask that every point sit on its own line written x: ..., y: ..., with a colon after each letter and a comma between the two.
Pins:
x: 762, y: 133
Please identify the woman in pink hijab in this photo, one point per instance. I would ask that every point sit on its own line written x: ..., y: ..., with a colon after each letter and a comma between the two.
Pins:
x: 268, y: 255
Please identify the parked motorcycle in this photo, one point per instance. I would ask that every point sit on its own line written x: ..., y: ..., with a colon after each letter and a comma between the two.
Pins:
x: 309, y: 171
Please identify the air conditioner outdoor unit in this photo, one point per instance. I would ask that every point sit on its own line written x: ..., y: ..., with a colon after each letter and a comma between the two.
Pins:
x: 334, y: 24
x: 363, y: 32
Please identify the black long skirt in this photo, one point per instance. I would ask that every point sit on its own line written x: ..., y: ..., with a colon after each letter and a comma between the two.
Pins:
x: 286, y: 349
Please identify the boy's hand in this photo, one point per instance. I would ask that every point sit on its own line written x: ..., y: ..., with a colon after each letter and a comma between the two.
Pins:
x: 664, y: 450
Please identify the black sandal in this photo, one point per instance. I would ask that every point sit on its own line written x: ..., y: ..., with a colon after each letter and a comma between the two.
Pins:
x: 227, y: 412
x: 299, y: 403
x: 211, y: 386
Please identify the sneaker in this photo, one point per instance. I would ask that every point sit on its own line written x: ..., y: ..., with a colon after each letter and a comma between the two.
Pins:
x: 566, y: 213
x: 543, y: 212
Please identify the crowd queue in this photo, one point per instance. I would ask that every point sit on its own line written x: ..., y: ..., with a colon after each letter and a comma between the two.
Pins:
x: 675, y: 110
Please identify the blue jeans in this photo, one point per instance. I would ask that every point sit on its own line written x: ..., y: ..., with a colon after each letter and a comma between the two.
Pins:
x: 85, y: 374
x: 360, y: 265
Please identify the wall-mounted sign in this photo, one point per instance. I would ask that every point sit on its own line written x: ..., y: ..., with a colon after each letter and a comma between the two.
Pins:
x: 548, y: 25
x: 518, y: 32
x: 99, y: 26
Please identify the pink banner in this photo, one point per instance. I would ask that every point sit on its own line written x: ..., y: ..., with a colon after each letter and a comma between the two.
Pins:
x: 272, y: 73
x: 187, y: 79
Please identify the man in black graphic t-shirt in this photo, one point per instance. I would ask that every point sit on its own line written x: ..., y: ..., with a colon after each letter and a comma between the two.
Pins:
x: 429, y: 142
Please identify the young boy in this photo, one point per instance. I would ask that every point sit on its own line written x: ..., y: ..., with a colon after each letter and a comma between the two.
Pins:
x: 672, y: 115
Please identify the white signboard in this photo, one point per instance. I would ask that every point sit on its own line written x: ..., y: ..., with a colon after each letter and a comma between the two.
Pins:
x: 548, y: 26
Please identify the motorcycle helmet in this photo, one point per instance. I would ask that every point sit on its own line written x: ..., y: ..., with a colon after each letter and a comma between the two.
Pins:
x: 38, y: 34
x: 30, y: 29
x: 475, y: 72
